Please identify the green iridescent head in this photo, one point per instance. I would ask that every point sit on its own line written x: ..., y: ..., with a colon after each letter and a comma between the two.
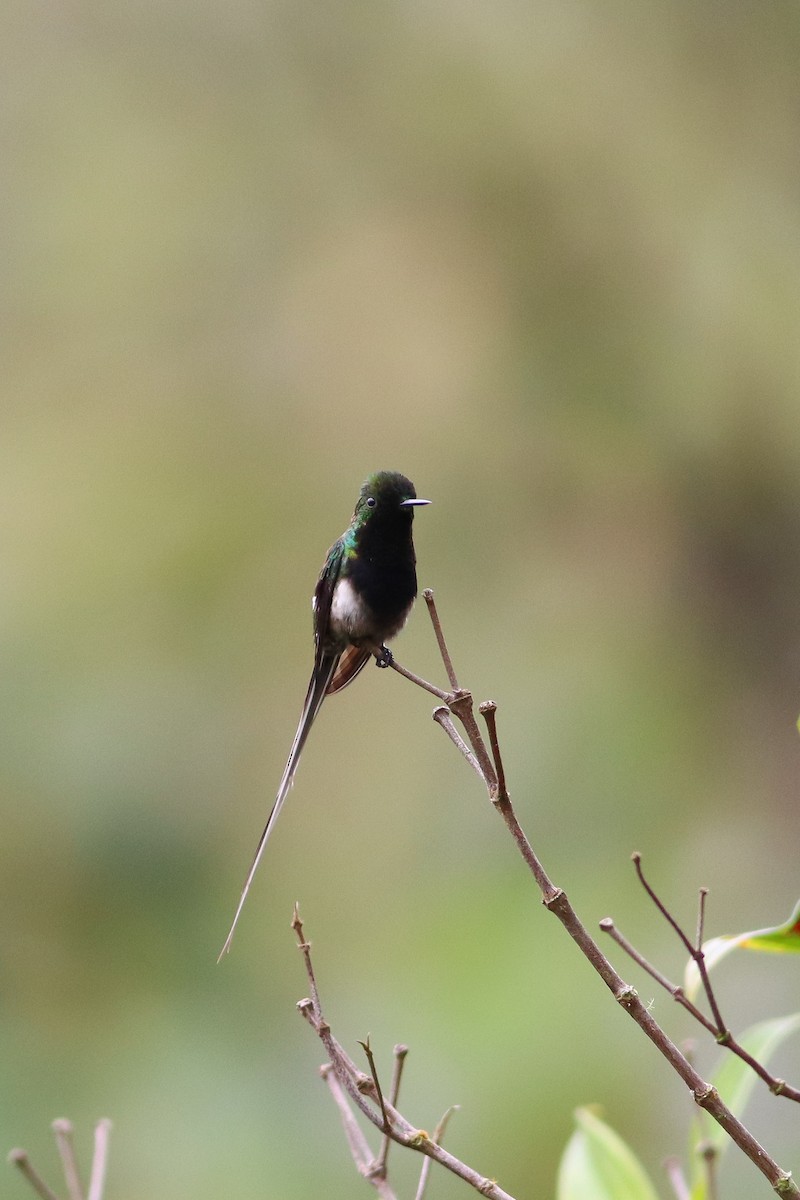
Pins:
x: 386, y: 493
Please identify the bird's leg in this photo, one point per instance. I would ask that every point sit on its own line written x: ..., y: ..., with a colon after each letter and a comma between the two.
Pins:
x: 383, y: 657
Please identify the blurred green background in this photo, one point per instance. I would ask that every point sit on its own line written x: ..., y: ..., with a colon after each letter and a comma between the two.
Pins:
x: 543, y: 258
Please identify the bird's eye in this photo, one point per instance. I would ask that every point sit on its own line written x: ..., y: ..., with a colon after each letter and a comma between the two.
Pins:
x: 371, y: 501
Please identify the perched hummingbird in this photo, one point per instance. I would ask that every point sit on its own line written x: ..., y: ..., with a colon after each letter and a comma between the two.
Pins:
x: 363, y: 597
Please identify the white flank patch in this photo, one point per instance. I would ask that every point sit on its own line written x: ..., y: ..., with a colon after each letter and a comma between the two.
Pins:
x: 349, y: 617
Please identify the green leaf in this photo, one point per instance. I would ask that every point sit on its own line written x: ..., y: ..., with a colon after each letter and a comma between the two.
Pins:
x: 597, y: 1163
x: 783, y: 939
x: 735, y: 1081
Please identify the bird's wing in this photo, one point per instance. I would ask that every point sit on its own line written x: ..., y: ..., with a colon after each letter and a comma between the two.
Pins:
x: 326, y: 660
x: 350, y: 663
x: 322, y: 600
x: 353, y: 658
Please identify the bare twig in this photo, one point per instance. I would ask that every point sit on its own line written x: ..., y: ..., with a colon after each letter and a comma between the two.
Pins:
x: 359, y: 1147
x: 557, y: 902
x: 365, y: 1094
x: 305, y: 949
x: 97, y: 1179
x: 19, y: 1159
x: 674, y: 1173
x: 461, y: 704
x: 62, y: 1128
x: 440, y: 639
x: 701, y: 917
x: 438, y: 1134
x: 488, y: 709
x: 636, y: 859
x: 695, y: 952
x: 716, y: 1027
x: 710, y: 1156
x: 677, y: 992
x: 400, y: 1053
x: 374, y: 1073
x: 418, y: 680
x: 442, y: 716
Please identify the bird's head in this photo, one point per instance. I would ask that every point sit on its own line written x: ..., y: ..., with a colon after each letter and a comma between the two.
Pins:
x: 386, y: 494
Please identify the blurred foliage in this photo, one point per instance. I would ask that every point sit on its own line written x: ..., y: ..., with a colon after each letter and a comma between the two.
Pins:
x: 598, y: 1163
x: 545, y: 259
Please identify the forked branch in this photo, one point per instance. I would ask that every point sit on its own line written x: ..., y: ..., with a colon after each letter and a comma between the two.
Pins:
x: 62, y: 1130
x: 350, y: 1085
x: 489, y: 767
x: 715, y: 1025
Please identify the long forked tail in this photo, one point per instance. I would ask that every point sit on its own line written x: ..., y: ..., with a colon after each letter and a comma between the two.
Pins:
x: 324, y: 669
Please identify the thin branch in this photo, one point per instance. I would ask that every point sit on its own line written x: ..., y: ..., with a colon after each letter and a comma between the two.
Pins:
x: 97, y: 1179
x: 442, y: 716
x: 710, y: 1156
x: 701, y: 917
x: 636, y: 858
x: 461, y: 705
x: 374, y: 1073
x: 305, y: 949
x: 438, y: 1134
x: 359, y: 1147
x: 488, y: 710
x: 695, y: 951
x: 20, y: 1160
x: 418, y: 680
x: 62, y: 1128
x: 364, y: 1093
x: 677, y: 992
x: 437, y: 629
x: 674, y: 1173
x: 557, y: 902
x: 400, y: 1053
x: 721, y: 1034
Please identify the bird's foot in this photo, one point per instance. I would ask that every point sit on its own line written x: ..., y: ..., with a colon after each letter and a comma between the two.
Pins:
x: 384, y: 657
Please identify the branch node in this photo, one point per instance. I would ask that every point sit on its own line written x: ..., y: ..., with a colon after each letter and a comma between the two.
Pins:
x: 706, y: 1097
x: 626, y: 995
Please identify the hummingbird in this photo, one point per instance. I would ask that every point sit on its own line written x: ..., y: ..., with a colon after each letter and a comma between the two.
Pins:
x: 363, y: 596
